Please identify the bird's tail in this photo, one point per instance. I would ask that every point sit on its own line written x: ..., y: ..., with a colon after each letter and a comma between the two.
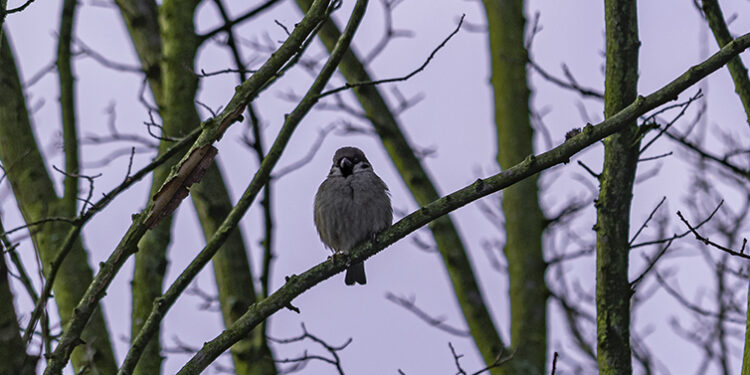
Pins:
x: 356, y: 274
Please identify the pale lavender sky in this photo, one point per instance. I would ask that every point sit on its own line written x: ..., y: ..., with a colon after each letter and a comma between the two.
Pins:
x: 455, y: 118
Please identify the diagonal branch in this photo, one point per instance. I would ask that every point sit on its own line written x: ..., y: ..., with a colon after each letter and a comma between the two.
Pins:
x: 212, y: 130
x: 406, y: 77
x: 229, y: 24
x: 737, y: 69
x: 591, y: 134
x: 439, y: 323
x: 708, y: 242
x: 78, y: 223
x: 163, y: 304
x: 417, y: 179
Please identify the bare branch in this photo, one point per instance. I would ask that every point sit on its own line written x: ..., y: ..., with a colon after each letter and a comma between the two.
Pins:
x: 350, y: 85
x: 571, y: 84
x: 533, y: 164
x: 708, y: 242
x: 229, y: 25
x: 305, y: 357
x: 389, y: 33
x: 648, y: 219
x: 438, y: 323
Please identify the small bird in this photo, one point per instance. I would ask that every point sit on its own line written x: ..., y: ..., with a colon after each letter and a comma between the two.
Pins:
x: 351, y: 205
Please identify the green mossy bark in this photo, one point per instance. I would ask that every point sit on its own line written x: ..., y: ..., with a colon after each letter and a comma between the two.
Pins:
x: 737, y: 69
x: 68, y: 106
x: 252, y: 355
x: 524, y: 221
x: 211, y: 130
x: 146, y: 286
x: 36, y: 198
x: 415, y: 177
x: 175, y: 102
x: 210, y: 197
x: 616, y: 191
x: 142, y: 20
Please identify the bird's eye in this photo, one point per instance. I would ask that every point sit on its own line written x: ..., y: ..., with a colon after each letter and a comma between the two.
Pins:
x: 365, y: 165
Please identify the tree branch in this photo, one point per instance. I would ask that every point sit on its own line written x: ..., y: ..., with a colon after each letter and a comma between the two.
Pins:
x: 211, y: 131
x: 621, y: 152
x: 297, y: 284
x: 259, y: 180
x: 442, y: 44
x: 229, y: 24
x: 72, y: 235
x: 737, y: 69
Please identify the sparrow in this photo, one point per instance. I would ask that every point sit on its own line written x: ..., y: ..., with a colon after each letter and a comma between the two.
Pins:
x: 352, y: 205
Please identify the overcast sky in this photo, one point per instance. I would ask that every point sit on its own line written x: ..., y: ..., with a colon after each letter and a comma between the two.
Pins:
x: 455, y: 119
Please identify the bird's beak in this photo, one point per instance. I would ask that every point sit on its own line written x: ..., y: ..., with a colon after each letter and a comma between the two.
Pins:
x: 346, y: 166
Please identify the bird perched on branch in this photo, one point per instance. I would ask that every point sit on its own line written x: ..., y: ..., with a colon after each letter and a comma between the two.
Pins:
x: 351, y: 206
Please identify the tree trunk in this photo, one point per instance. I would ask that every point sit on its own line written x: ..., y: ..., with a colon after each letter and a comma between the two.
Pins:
x: 524, y: 221
x: 613, y: 206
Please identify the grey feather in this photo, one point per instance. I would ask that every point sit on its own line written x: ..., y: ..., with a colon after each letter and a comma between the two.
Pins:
x: 351, y: 206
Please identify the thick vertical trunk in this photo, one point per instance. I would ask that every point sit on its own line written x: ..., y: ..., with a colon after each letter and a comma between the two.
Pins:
x: 524, y: 222
x: 616, y: 190
x: 37, y: 200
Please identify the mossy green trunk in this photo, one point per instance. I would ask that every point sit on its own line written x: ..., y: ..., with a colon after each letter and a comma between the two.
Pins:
x: 68, y: 106
x: 176, y: 108
x: 524, y: 221
x: 616, y: 191
x: 36, y: 198
x: 737, y: 69
x: 174, y: 45
x: 252, y: 355
x: 715, y: 18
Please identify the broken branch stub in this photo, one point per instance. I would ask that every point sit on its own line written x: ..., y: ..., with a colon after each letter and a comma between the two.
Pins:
x: 175, y: 190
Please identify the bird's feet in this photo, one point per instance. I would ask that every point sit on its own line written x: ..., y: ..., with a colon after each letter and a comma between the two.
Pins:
x: 340, y: 254
x: 374, y: 237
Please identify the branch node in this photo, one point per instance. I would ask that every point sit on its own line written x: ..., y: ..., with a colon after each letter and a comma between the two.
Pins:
x: 292, y: 307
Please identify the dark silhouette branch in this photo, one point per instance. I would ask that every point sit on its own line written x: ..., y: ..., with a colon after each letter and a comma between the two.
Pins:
x: 350, y: 85
x: 708, y: 242
x: 85, y: 217
x: 439, y: 323
x: 305, y: 357
x: 227, y: 26
x: 571, y: 84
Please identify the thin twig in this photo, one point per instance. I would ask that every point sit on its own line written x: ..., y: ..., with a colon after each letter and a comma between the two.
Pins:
x: 333, y: 350
x: 650, y: 265
x: 229, y: 25
x: 349, y: 85
x: 554, y: 364
x: 648, y: 219
x: 570, y: 85
x: 708, y: 242
x: 438, y: 323
x: 20, y: 8
x: 681, y: 235
x: 389, y: 33
x: 85, y: 217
